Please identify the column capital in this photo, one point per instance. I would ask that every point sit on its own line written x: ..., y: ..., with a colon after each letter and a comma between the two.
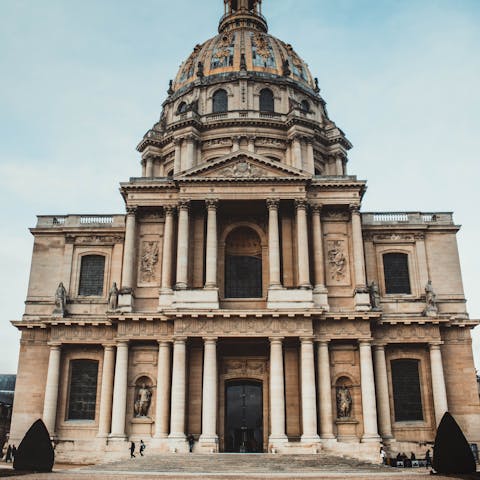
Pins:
x: 366, y: 342
x: 169, y: 209
x: 190, y: 137
x: 379, y: 345
x: 122, y: 343
x: 323, y: 342
x: 131, y: 210
x: 55, y: 345
x: 177, y: 141
x: 435, y: 345
x: 109, y: 346
x: 276, y: 339
x: 180, y: 339
x: 210, y: 340
x: 307, y: 339
x: 354, y: 209
x: 273, y: 203
x: 184, y: 204
x: 301, y: 204
x: 211, y: 203
x: 316, y: 208
x: 164, y: 343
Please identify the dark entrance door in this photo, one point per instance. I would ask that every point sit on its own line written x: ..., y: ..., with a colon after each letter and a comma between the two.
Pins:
x: 244, y: 417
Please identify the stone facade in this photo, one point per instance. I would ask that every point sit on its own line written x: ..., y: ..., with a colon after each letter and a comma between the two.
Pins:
x: 244, y: 191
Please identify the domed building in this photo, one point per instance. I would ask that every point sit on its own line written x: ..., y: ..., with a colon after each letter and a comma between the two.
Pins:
x: 244, y: 299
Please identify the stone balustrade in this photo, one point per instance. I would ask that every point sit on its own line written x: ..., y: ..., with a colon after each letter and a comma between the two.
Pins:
x: 407, y: 218
x: 54, y: 221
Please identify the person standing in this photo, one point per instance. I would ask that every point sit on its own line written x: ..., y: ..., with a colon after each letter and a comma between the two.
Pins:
x: 383, y: 456
x: 191, y: 442
x: 14, y: 451
x: 142, y: 447
x: 428, y: 459
x: 132, y: 449
x: 8, y: 456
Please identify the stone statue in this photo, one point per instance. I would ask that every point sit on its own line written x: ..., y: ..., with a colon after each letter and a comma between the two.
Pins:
x: 113, y: 297
x: 374, y: 296
x: 60, y: 300
x: 200, y: 72
x: 344, y: 402
x: 430, y: 300
x: 142, y: 401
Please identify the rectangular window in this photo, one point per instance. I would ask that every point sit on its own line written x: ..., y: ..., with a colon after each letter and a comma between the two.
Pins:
x: 83, y: 389
x: 92, y: 271
x: 407, y: 397
x: 397, y: 277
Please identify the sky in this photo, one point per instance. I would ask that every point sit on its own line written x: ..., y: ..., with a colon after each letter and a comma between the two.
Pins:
x: 81, y: 82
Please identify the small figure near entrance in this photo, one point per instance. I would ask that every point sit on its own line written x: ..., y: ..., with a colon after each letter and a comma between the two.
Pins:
x: 132, y: 449
x: 191, y: 442
x: 8, y: 456
x: 142, y: 447
x: 344, y: 402
x: 383, y: 456
x: 428, y: 459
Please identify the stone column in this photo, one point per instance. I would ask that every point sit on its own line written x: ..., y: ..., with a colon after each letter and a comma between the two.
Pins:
x: 166, y: 284
x: 120, y: 386
x: 320, y: 291
x: 106, y: 393
x: 209, y: 395
x: 297, y: 152
x: 182, y: 246
x: 177, y: 416
x: 191, y: 152
x: 310, y: 167
x: 381, y: 385
x: 438, y: 382
x: 277, y: 392
x: 162, y: 414
x: 369, y: 408
x: 51, y: 388
x: 177, y: 163
x: 339, y: 165
x: 309, y: 395
x: 325, y: 391
x: 273, y: 243
x: 251, y: 144
x: 212, y: 247
x: 302, y: 244
x: 236, y: 143
x: 129, y: 249
x: 362, y: 299
x: 149, y: 167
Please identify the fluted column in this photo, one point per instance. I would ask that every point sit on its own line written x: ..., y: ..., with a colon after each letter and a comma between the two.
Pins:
x: 309, y: 395
x: 162, y: 415
x: 166, y: 284
x: 177, y: 416
x: 440, y: 402
x: 302, y: 244
x: 297, y: 152
x: 235, y: 143
x: 129, y: 249
x: 182, y: 246
x: 358, y: 253
x: 120, y: 386
x: 251, y: 144
x: 369, y: 408
x: 310, y: 167
x: 325, y: 391
x: 381, y: 386
x: 149, y: 167
x: 339, y: 165
x: 209, y: 395
x: 273, y: 243
x: 51, y: 388
x: 212, y: 247
x: 319, y: 265
x: 106, y: 392
x: 277, y: 392
x: 177, y: 163
x: 190, y: 153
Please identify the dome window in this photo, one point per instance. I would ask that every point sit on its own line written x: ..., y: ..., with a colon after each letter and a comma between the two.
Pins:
x: 220, y: 101
x: 182, y: 108
x: 305, y: 106
x: 267, y: 103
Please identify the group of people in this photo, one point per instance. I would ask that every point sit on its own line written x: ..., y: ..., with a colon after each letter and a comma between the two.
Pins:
x: 10, y: 453
x: 403, y: 460
x: 141, y: 449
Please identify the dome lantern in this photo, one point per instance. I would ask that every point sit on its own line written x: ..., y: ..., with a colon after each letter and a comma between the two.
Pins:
x: 242, y: 13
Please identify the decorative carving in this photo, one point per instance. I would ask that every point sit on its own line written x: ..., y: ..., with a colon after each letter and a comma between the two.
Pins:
x: 262, y: 46
x: 272, y: 203
x: 374, y: 293
x: 217, y: 142
x: 336, y: 216
x: 184, y: 204
x: 394, y: 237
x: 94, y: 239
x: 211, y: 203
x: 431, y: 309
x: 113, y: 298
x: 60, y: 301
x: 344, y: 402
x: 271, y: 142
x: 223, y: 46
x: 244, y: 367
x: 144, y: 329
x: 343, y: 329
x: 149, y: 260
x: 131, y: 210
x: 337, y: 260
x: 83, y: 333
x: 301, y: 203
x: 143, y: 398
x: 402, y: 333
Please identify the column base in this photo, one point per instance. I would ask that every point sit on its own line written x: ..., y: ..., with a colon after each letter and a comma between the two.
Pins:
x: 369, y: 438
x: 165, y: 298
x: 310, y: 439
x: 320, y: 298
x: 362, y: 301
x: 208, y: 444
x: 205, y: 299
x: 177, y: 443
x: 116, y: 438
x: 126, y: 301
x: 290, y: 298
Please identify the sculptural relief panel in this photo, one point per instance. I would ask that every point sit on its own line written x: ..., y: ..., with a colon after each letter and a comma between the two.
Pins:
x: 82, y: 333
x: 406, y: 333
x: 144, y: 329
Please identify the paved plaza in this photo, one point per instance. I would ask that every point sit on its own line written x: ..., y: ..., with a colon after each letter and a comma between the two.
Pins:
x: 228, y: 467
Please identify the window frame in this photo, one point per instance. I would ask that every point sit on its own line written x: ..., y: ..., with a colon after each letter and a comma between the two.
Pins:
x: 102, y: 294
x: 266, y: 110
x: 215, y: 93
x: 71, y: 363
x: 408, y: 264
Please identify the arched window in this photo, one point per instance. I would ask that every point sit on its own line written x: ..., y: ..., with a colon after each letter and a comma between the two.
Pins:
x: 397, y: 277
x: 305, y: 106
x: 170, y: 173
x: 243, y: 264
x: 92, y: 271
x: 407, y: 397
x: 267, y: 103
x: 220, y: 101
x: 182, y: 108
x: 82, y: 392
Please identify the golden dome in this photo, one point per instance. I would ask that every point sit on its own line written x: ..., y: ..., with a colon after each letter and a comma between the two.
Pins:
x: 243, y: 47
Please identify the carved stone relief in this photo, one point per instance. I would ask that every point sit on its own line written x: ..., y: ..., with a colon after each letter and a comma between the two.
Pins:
x: 343, y: 329
x: 337, y: 261
x: 149, y: 261
x: 244, y: 367
x: 407, y: 333
x: 86, y: 334
x: 94, y: 239
x: 144, y: 329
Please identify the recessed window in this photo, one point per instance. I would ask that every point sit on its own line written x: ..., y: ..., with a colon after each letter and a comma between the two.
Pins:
x: 305, y: 106
x: 92, y: 272
x: 220, y: 101
x: 267, y: 103
x: 182, y: 108
x: 397, y: 277
x: 407, y: 397
x: 83, y: 390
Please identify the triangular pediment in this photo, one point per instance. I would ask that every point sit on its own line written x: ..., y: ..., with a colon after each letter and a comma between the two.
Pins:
x: 242, y: 165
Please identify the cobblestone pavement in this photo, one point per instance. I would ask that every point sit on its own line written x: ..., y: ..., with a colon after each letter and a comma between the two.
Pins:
x: 230, y: 467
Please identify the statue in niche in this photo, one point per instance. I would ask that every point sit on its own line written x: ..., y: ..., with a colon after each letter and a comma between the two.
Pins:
x: 143, y: 399
x: 344, y: 402
x: 113, y: 297
x: 374, y: 296
x: 60, y: 300
x: 337, y: 261
x: 430, y: 300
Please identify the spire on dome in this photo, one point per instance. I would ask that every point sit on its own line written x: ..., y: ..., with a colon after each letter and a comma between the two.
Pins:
x: 238, y: 12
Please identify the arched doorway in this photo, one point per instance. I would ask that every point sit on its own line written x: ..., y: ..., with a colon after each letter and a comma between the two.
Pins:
x: 244, y: 416
x: 243, y: 264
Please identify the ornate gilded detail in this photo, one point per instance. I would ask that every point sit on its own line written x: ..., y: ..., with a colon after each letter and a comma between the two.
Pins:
x: 262, y: 45
x: 149, y: 260
x: 223, y: 46
x: 337, y: 259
